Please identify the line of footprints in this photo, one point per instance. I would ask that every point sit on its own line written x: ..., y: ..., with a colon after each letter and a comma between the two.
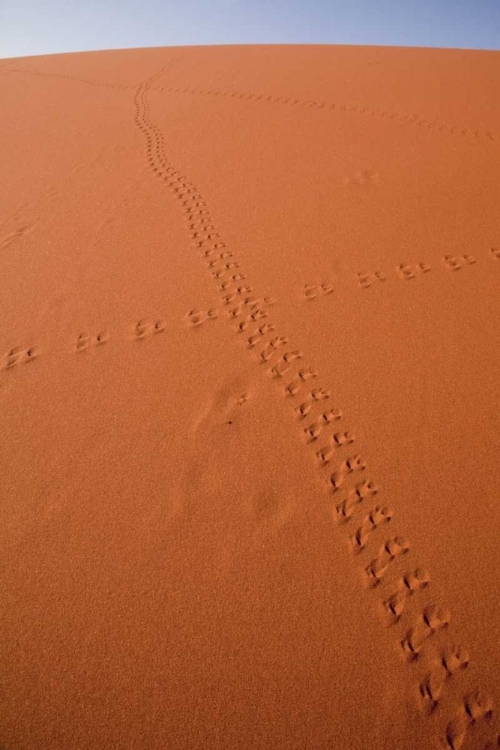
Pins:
x: 404, y: 271
x: 413, y: 118
x: 143, y: 329
x: 354, y: 503
x: 218, y: 265
x: 354, y: 499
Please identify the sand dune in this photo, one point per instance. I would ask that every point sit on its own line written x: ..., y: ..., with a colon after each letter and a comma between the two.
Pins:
x: 249, y: 368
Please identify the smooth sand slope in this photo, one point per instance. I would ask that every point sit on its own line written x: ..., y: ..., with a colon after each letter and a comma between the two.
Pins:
x: 249, y: 399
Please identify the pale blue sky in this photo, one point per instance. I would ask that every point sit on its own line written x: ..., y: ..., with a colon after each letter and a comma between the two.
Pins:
x: 35, y: 27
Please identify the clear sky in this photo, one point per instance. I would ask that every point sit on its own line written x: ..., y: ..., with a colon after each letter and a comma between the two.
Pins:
x: 35, y: 27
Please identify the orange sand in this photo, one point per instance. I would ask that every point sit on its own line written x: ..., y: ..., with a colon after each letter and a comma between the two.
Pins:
x: 249, y: 353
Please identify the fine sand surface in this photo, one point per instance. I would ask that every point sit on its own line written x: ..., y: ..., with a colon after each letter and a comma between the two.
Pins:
x: 249, y: 399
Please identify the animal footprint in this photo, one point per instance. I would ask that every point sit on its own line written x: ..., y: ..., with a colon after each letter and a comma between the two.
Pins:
x: 311, y: 290
x: 268, y: 301
x: 197, y: 317
x: 376, y: 518
x: 317, y: 394
x: 453, y: 263
x: 354, y: 463
x: 338, y: 439
x: 85, y: 342
x: 314, y: 430
x: 409, y: 272
x: 367, y: 278
x: 294, y: 387
x: 378, y: 567
x: 238, y: 292
x: 495, y: 253
x: 258, y: 314
x: 242, y: 326
x: 259, y: 333
x: 243, y: 307
x: 144, y: 329
x: 17, y: 356
x: 453, y: 660
x: 293, y: 356
x: 272, y: 348
x: 285, y: 363
x: 410, y: 584
x: 279, y: 370
x: 361, y: 492
x: 343, y: 438
x: 433, y: 619
x: 475, y: 707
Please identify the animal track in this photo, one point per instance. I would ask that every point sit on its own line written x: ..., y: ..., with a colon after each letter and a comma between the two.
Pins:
x: 259, y: 334
x: 408, y: 272
x: 317, y: 394
x: 89, y: 81
x: 295, y: 386
x: 314, y: 430
x: 17, y: 356
x: 475, y: 707
x: 243, y: 311
x: 273, y: 346
x: 453, y: 660
x: 197, y: 317
x: 411, y: 583
x: 144, y: 329
x: 351, y: 464
x: 285, y: 363
x: 454, y: 263
x: 338, y: 439
x: 377, y: 517
x: 85, y: 342
x: 248, y: 304
x: 378, y: 567
x: 367, y: 278
x: 345, y: 510
x: 433, y: 619
x: 236, y: 297
x: 363, y: 176
x: 311, y: 291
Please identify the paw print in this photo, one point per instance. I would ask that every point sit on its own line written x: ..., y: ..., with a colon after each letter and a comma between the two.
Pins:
x: 143, y: 329
x: 85, y: 342
x: 408, y: 272
x: 367, y: 278
x: 196, y: 317
x: 311, y: 291
x: 17, y: 356
x: 455, y: 263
